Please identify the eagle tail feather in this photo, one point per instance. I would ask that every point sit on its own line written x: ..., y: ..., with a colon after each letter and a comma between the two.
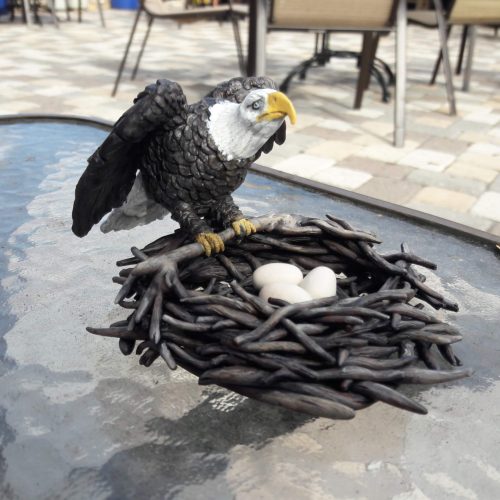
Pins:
x: 138, y: 210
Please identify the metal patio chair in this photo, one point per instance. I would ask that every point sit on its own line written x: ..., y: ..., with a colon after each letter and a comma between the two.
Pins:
x: 467, y: 13
x: 29, y: 7
x: 372, y: 19
x: 159, y: 9
x: 35, y: 6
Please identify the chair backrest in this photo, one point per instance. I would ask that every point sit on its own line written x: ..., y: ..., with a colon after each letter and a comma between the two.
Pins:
x: 178, y: 11
x: 475, y: 12
x: 332, y: 14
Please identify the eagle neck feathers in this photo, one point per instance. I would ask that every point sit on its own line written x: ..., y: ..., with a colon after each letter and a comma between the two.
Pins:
x: 234, y: 137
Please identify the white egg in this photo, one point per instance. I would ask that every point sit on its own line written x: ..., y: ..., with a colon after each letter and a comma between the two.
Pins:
x: 284, y: 291
x: 277, y: 272
x: 320, y: 282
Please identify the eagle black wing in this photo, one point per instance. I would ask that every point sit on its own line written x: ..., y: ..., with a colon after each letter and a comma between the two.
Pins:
x: 112, y: 168
x: 236, y: 89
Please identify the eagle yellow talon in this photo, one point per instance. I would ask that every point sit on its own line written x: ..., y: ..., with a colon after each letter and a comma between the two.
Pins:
x: 245, y: 225
x: 210, y: 242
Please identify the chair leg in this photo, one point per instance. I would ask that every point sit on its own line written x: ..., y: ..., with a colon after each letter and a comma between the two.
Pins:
x: 364, y: 68
x: 373, y: 53
x: 52, y: 7
x: 143, y: 46
x: 239, y: 45
x: 463, y: 42
x: 437, y: 64
x: 36, y: 14
x: 325, y: 47
x: 101, y: 13
x: 316, y: 43
x: 400, y: 97
x: 68, y: 16
x: 435, y: 71
x: 26, y: 12
x: 125, y: 55
x: 470, y: 55
x: 450, y: 93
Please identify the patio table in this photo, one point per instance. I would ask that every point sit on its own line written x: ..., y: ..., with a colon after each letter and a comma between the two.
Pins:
x: 79, y: 420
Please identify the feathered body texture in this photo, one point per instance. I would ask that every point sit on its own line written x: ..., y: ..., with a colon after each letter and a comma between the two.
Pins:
x: 194, y: 170
x: 168, y: 141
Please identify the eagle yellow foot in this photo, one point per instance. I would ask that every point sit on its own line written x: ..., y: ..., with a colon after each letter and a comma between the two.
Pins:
x: 210, y: 242
x: 243, y: 225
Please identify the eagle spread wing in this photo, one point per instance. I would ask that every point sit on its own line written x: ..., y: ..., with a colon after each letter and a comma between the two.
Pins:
x: 111, y: 170
x: 157, y: 129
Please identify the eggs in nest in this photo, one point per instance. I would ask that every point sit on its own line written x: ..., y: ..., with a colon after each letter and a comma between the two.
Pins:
x: 286, y: 282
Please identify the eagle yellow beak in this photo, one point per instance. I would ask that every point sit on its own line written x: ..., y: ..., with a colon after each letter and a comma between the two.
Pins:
x: 278, y: 106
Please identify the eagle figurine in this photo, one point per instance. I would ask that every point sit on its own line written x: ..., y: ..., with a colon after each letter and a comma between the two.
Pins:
x: 167, y: 156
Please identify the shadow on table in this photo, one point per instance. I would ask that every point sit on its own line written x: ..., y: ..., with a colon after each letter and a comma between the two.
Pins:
x: 188, y: 451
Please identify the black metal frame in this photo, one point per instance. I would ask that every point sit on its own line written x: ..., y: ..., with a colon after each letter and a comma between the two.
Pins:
x: 375, y: 66
x: 421, y: 217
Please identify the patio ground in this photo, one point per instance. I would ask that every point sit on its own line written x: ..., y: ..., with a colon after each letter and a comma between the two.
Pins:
x: 450, y: 166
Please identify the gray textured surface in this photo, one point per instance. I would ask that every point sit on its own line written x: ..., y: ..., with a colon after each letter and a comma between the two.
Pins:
x: 79, y: 420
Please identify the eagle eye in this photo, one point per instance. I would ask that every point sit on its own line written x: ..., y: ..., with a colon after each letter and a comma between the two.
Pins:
x: 256, y: 105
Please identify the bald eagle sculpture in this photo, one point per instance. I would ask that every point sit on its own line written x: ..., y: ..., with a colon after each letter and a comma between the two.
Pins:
x: 164, y: 155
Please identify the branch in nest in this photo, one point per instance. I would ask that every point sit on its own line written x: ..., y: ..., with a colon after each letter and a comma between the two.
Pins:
x: 325, y: 357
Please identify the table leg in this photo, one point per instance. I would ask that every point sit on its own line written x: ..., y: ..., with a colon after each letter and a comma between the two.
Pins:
x: 256, y: 64
x: 400, y: 98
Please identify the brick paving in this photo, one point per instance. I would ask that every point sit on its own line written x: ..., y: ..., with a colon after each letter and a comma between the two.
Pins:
x: 450, y: 166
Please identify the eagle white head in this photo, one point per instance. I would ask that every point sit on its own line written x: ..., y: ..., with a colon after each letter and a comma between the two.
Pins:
x: 240, y: 130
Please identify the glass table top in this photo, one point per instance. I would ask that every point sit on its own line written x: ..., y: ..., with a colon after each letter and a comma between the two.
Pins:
x: 79, y: 420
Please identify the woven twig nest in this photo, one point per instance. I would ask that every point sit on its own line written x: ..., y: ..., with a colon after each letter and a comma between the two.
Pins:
x: 326, y: 357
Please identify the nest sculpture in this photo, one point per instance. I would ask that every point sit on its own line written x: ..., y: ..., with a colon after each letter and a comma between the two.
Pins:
x: 327, y: 357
